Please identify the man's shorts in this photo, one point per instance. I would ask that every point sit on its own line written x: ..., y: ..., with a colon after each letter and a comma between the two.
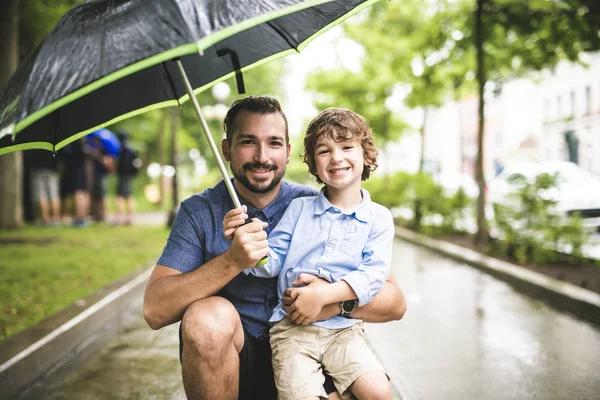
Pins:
x: 44, y: 183
x: 124, y: 186
x: 99, y: 188
x: 256, y: 371
x: 301, y: 353
x: 80, y: 175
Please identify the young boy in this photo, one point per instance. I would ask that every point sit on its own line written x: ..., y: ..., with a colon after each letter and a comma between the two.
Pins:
x: 341, y: 236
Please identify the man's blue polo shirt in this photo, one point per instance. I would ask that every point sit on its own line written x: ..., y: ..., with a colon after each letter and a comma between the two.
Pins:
x: 197, y: 237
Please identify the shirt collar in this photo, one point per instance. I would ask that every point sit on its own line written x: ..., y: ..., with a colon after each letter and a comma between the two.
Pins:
x: 362, y: 212
x: 274, y: 207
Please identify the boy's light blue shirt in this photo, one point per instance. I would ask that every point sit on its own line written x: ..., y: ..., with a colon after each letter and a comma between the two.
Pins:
x: 315, y: 237
x: 197, y: 237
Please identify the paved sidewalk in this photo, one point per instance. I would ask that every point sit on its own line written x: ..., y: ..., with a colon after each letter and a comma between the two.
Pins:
x: 133, y: 363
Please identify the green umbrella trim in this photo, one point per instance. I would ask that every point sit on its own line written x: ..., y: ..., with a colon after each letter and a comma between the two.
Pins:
x: 169, y: 55
x: 27, y: 146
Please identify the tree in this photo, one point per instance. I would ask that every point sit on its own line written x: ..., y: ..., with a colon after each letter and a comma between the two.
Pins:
x: 515, y: 36
x: 417, y: 58
x: 492, y: 40
x: 11, y: 210
x: 364, y: 92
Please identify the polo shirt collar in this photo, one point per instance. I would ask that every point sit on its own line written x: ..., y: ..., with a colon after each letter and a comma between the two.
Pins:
x: 278, y: 204
x: 362, y: 212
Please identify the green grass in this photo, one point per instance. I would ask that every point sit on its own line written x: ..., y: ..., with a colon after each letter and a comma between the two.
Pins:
x: 43, y: 270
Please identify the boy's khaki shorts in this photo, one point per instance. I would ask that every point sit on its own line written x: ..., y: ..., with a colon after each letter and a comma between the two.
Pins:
x: 299, y: 353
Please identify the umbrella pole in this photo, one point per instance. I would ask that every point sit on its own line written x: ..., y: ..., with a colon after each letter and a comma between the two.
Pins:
x: 207, y: 134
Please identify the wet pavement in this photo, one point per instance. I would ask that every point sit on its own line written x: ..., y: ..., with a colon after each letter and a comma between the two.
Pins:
x: 466, y: 335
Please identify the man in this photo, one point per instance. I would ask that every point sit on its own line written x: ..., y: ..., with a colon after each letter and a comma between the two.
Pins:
x: 224, y: 330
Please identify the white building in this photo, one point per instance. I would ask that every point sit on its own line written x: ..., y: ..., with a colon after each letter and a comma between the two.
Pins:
x: 527, y: 119
x: 570, y: 95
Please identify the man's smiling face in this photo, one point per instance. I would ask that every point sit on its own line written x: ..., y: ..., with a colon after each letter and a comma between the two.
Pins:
x: 258, y: 152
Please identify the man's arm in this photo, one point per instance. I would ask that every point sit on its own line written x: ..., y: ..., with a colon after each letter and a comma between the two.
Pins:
x: 169, y: 292
x: 387, y: 305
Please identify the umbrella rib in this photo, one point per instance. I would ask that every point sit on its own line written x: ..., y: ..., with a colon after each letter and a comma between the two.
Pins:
x: 282, y: 33
x: 55, y: 130
x: 171, y: 82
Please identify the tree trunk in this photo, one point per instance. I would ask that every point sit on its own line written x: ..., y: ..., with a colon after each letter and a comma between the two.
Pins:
x: 482, y: 234
x: 11, y: 165
x: 162, y: 128
x: 174, y: 117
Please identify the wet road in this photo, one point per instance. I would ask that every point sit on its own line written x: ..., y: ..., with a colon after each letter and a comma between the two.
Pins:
x: 466, y: 335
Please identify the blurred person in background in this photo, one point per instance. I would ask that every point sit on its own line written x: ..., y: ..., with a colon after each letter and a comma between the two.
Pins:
x: 80, y: 183
x: 67, y: 166
x: 103, y: 164
x: 128, y: 166
x: 44, y: 185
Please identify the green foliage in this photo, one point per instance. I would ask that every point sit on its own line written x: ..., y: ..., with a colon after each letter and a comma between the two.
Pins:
x: 363, y: 93
x: 36, y: 20
x: 431, y: 208
x: 391, y: 190
x: 529, y: 226
x: 43, y: 270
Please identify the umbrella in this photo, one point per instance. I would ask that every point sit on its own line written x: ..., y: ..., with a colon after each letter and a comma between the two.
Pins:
x: 108, y: 60
x: 108, y: 140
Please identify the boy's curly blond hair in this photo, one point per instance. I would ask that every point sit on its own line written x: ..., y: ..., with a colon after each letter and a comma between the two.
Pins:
x: 340, y: 124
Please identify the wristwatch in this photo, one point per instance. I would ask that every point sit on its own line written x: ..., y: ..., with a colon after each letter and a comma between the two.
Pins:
x: 347, y: 307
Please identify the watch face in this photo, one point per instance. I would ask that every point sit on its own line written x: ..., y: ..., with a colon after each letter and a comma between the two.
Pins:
x: 348, y: 306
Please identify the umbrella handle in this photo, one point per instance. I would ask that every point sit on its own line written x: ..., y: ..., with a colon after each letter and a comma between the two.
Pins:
x: 213, y: 146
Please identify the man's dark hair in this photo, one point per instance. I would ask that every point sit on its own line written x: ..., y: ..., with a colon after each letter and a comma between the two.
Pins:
x: 255, y: 104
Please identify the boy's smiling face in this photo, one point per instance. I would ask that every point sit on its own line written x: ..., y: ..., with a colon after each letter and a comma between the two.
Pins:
x: 340, y: 164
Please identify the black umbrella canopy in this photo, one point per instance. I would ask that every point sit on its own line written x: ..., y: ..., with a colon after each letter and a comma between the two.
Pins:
x: 107, y: 60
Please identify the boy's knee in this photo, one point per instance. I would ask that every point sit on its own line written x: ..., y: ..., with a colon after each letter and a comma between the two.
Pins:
x: 209, y: 324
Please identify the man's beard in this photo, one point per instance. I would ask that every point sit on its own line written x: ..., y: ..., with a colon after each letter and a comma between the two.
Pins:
x: 243, y: 179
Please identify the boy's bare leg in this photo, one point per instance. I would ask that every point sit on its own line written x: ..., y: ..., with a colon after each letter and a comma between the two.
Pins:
x: 212, y: 336
x: 371, y: 386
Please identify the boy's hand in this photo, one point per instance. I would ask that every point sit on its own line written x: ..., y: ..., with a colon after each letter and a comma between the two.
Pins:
x: 307, y: 305
x: 233, y: 219
x: 290, y: 295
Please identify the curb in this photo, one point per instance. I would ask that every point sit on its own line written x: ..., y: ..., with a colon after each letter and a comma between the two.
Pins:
x: 37, y: 352
x: 562, y: 295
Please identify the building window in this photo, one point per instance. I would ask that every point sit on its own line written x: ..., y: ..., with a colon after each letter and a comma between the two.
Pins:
x: 559, y: 107
x: 573, y: 103
x: 588, y: 100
